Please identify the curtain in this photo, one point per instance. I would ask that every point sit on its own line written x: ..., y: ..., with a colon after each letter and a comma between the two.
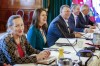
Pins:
x: 69, y: 2
x: 45, y: 3
x: 54, y: 8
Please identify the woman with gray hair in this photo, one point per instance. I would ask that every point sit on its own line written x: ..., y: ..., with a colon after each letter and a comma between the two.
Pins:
x: 15, y: 47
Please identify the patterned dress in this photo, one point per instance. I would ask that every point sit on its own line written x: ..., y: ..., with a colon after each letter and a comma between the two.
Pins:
x: 9, y: 49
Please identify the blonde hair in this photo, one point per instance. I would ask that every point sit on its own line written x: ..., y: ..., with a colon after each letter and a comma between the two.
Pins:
x: 10, y: 21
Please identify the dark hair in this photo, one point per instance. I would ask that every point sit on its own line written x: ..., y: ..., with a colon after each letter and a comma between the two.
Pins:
x: 10, y: 20
x: 35, y: 18
x: 61, y: 8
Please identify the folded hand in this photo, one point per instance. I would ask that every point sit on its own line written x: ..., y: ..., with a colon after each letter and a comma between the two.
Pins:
x: 43, y: 55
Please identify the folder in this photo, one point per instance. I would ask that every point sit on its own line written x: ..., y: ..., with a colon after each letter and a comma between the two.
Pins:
x: 47, y: 61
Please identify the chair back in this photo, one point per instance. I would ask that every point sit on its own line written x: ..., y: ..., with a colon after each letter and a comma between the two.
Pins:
x: 8, y: 14
x: 31, y: 15
x: 20, y: 12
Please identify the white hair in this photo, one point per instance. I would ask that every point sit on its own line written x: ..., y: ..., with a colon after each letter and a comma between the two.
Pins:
x: 10, y: 21
x: 73, y: 6
x: 84, y: 7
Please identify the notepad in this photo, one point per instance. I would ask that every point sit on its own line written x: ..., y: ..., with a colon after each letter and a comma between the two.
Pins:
x: 47, y: 61
x: 65, y: 41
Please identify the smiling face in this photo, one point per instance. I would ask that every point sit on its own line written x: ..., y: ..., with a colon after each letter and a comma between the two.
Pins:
x: 76, y: 11
x: 65, y: 13
x: 43, y: 18
x: 86, y: 11
x: 17, y: 27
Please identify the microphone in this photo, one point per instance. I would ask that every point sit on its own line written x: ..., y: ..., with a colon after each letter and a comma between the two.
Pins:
x: 67, y: 40
x: 80, y: 61
x: 73, y: 47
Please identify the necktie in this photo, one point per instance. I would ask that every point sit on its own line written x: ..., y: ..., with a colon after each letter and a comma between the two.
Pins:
x: 85, y: 18
x: 67, y: 25
x: 76, y: 20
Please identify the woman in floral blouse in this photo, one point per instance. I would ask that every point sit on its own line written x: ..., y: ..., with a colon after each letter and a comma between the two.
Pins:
x: 15, y: 46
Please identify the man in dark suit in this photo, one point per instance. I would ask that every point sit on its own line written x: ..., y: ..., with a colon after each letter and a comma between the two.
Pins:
x: 83, y: 18
x: 72, y: 21
x: 59, y: 27
x: 75, y: 9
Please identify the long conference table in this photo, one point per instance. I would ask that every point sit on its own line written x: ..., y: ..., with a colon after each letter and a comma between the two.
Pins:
x: 72, y: 53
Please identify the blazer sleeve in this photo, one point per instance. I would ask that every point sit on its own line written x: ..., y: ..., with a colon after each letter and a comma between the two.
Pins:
x: 31, y: 37
x: 12, y: 59
x: 1, y: 55
x: 30, y: 50
x: 79, y: 24
x: 73, y: 27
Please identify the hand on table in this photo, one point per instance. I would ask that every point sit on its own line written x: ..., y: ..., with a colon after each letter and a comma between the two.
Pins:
x: 6, y: 64
x: 43, y: 55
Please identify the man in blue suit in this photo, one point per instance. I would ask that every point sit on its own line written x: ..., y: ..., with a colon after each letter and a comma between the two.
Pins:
x: 75, y: 9
x: 83, y: 18
x: 59, y: 27
x: 72, y: 21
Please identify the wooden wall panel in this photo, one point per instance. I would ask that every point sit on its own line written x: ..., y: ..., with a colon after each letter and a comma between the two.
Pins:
x: 24, y: 4
x: 14, y: 5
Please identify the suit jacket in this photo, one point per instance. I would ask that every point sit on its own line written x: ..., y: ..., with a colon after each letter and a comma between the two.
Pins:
x: 35, y: 38
x: 82, y: 23
x: 58, y: 29
x: 9, y: 49
x: 71, y: 22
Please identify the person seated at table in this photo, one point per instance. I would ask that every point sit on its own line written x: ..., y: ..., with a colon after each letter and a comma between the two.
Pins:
x: 83, y: 18
x: 14, y: 44
x: 59, y: 27
x: 36, y: 34
x: 75, y: 9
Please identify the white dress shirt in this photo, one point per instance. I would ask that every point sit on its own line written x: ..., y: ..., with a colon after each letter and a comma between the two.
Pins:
x: 75, y: 18
x: 67, y: 25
